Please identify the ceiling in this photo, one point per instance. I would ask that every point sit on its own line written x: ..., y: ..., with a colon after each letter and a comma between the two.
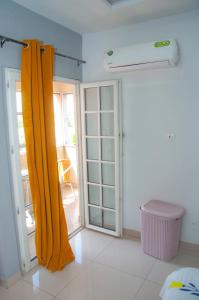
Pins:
x: 97, y: 15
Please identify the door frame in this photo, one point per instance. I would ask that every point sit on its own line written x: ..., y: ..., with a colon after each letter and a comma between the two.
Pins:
x: 118, y: 153
x: 11, y: 76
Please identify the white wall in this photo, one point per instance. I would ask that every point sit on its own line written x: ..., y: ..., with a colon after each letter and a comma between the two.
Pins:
x: 155, y: 103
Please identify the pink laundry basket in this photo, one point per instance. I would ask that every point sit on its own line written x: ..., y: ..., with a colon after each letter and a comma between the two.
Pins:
x: 160, y: 229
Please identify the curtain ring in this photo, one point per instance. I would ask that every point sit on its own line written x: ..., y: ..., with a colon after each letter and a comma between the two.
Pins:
x: 3, y: 42
x: 27, y: 46
x: 43, y: 51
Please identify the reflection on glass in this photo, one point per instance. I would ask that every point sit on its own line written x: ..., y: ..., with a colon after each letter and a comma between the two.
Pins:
x: 95, y: 216
x: 93, y: 172
x: 106, y: 98
x: 30, y: 220
x: 94, y: 194
x: 68, y: 115
x: 19, y: 102
x: 107, y: 124
x: 26, y: 191
x: 23, y: 161
x: 91, y: 124
x: 92, y: 148
x: 57, y: 105
x: 21, y: 133
x: 108, y: 174
x: 91, y: 101
x: 108, y: 149
x: 36, y: 278
x: 31, y: 244
x: 109, y: 219
x: 108, y: 197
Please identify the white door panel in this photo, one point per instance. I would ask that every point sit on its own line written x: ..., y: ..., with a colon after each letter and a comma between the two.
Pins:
x: 101, y: 155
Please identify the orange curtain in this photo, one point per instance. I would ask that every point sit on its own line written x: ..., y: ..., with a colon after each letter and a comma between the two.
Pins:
x: 52, y: 247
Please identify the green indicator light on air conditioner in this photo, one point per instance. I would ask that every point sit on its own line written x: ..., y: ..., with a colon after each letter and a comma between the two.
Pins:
x: 162, y: 44
x: 110, y: 52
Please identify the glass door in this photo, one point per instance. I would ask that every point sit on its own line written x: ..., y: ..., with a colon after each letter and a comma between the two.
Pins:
x: 100, y: 134
x: 20, y: 176
x: 68, y: 144
x: 26, y: 192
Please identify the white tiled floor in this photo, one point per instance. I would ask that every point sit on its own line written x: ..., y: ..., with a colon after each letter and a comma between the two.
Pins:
x: 126, y: 256
x: 106, y: 268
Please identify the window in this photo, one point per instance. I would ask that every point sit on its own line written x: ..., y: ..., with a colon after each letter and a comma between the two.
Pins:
x: 57, y: 101
x: 68, y: 119
x: 30, y: 221
x: 20, y: 120
x: 64, y: 119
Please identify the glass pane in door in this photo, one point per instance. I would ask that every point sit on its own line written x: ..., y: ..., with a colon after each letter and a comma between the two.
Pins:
x: 106, y: 98
x: 92, y: 124
x: 30, y: 220
x: 95, y: 216
x: 92, y: 147
x: 108, y: 197
x: 108, y: 174
x: 107, y: 124
x: 93, y: 172
x: 91, y: 99
x: 109, y: 219
x: 26, y: 191
x: 21, y: 133
x: 93, y: 194
x: 18, y: 100
x: 32, y: 248
x: 108, y: 149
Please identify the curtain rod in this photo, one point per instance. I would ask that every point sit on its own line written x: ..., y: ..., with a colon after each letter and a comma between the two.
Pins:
x: 4, y: 39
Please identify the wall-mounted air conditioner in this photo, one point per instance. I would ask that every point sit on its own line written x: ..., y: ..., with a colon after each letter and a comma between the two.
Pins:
x: 144, y: 56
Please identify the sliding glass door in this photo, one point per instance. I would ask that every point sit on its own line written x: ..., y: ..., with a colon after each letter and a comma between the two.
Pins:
x: 100, y: 136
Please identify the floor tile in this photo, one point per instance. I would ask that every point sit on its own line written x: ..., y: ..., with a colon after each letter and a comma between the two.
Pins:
x: 149, y: 291
x: 23, y: 291
x: 99, y: 282
x: 162, y: 269
x: 55, y: 282
x: 126, y: 255
x: 89, y: 244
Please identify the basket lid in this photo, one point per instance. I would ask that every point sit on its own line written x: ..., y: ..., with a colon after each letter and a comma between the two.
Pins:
x: 163, y: 209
